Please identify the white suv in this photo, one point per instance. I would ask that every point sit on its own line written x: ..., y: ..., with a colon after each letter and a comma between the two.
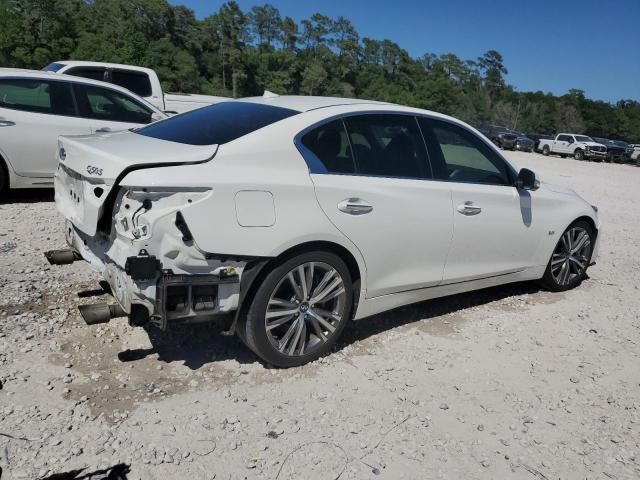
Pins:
x: 36, y: 107
x: 302, y: 213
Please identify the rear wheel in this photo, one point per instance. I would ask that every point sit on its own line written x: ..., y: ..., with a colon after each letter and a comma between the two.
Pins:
x: 563, y: 155
x: 546, y: 150
x: 568, y: 265
x: 300, y: 309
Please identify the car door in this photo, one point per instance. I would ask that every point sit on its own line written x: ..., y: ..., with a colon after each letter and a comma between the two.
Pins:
x: 33, y: 113
x: 109, y: 110
x: 372, y: 180
x: 497, y: 228
x: 562, y: 144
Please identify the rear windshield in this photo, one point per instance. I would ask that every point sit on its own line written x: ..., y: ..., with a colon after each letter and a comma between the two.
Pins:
x: 53, y: 67
x: 216, y: 124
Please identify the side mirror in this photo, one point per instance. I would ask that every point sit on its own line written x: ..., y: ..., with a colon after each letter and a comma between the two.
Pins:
x: 527, y: 180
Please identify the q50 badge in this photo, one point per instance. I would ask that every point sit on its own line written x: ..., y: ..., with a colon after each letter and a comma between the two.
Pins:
x: 94, y: 171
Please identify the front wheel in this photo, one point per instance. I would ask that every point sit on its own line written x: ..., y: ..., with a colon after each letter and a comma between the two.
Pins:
x: 300, y: 309
x: 578, y: 154
x: 568, y: 265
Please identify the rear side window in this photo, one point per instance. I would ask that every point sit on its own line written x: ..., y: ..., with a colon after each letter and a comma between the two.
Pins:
x: 53, y: 67
x: 109, y: 105
x: 137, y: 82
x: 39, y: 96
x: 216, y: 124
x: 388, y: 146
x: 94, y: 73
x: 329, y: 143
x: 380, y: 145
x: 458, y: 155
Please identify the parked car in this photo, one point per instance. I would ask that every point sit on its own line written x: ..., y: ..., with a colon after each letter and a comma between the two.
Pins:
x: 536, y: 137
x: 299, y: 214
x: 140, y: 80
x: 523, y: 143
x: 36, y: 107
x: 506, y: 138
x: 617, y: 150
x: 580, y: 147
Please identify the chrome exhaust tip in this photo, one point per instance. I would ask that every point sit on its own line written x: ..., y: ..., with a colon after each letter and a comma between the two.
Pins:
x: 100, y: 313
x: 62, y: 257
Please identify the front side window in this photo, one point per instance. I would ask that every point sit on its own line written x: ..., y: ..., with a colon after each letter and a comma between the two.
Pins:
x: 39, y: 96
x: 53, y: 67
x: 460, y: 156
x: 109, y: 105
x: 217, y: 124
x: 137, y: 82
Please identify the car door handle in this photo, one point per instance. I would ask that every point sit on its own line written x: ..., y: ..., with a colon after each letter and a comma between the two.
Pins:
x: 469, y: 209
x: 103, y: 130
x: 7, y: 123
x: 354, y: 206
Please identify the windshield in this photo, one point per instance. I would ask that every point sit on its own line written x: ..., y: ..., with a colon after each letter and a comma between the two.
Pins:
x: 583, y: 138
x: 53, y: 67
x: 216, y: 124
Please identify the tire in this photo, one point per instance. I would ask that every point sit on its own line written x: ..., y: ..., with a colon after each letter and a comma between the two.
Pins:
x: 578, y: 154
x: 566, y: 271
x: 4, y: 178
x: 563, y: 155
x: 546, y: 150
x: 311, y: 327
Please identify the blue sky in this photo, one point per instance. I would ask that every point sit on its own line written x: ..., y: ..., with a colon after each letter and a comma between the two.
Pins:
x: 593, y: 45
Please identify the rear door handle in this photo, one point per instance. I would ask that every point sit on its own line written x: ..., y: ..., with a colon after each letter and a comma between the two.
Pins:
x: 469, y: 209
x: 103, y: 130
x: 7, y: 123
x: 355, y: 206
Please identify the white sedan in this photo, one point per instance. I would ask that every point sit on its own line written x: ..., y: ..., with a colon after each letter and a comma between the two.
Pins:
x: 36, y: 107
x: 299, y: 214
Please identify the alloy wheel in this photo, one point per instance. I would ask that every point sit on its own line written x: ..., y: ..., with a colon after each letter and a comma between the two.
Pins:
x: 305, y: 308
x: 571, y: 257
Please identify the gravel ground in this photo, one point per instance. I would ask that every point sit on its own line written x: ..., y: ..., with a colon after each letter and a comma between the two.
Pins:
x: 509, y: 382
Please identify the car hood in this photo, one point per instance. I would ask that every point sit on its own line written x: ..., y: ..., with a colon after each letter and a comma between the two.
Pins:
x: 592, y: 144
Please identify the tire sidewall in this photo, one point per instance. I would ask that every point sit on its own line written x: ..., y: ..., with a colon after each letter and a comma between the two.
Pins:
x: 255, y: 334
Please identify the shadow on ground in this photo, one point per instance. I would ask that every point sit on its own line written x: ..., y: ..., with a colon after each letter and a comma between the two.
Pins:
x: 199, y: 344
x: 27, y: 195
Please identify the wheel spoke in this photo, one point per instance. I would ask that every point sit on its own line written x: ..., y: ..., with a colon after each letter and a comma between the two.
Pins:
x: 566, y: 241
x: 580, y: 242
x: 280, y: 302
x: 566, y: 271
x: 295, y: 286
x: 323, y: 295
x: 316, y: 327
x: 322, y: 321
x: 296, y: 338
x: 280, y: 321
x: 323, y: 283
x: 287, y: 336
x: 303, y: 282
x: 280, y: 313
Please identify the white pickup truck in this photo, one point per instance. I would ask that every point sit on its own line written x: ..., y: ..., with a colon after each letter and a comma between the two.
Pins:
x: 580, y: 147
x: 140, y: 80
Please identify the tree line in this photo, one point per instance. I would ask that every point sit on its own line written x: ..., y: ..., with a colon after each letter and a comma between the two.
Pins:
x: 242, y: 53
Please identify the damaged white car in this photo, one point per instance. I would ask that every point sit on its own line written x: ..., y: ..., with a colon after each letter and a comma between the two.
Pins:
x: 299, y: 214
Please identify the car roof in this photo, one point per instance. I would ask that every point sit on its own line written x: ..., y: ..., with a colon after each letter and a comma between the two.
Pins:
x: 306, y: 103
x: 80, y: 63
x: 41, y: 74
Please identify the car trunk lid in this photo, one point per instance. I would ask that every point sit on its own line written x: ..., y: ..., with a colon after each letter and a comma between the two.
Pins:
x: 90, y: 168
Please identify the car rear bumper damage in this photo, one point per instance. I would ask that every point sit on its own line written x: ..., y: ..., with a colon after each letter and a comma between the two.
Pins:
x: 154, y: 289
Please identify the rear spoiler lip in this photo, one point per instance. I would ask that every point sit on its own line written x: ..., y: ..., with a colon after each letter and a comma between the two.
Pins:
x: 104, y: 223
